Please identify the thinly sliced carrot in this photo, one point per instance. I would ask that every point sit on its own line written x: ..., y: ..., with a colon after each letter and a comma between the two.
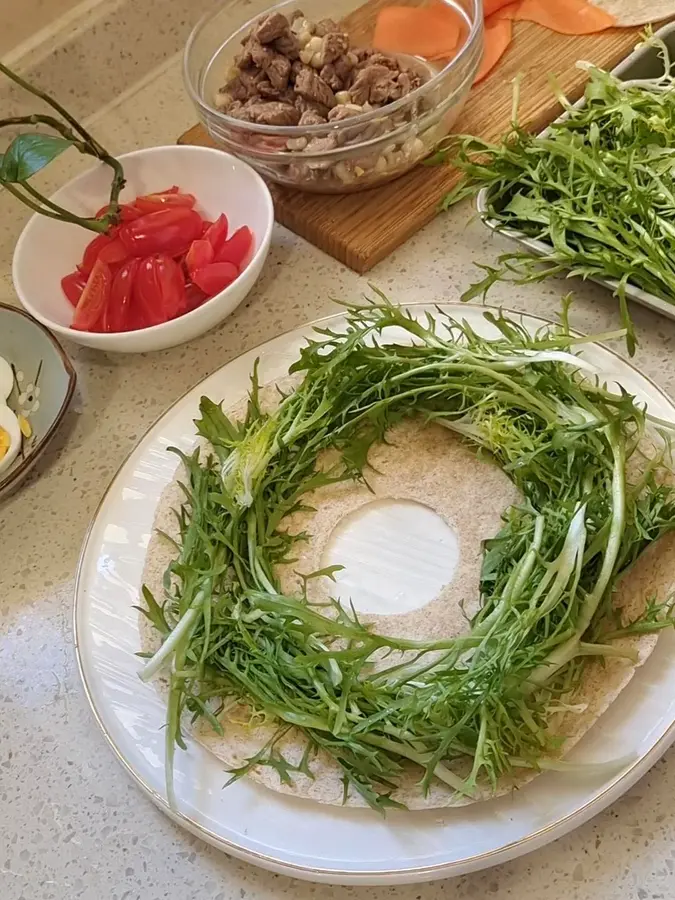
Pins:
x: 563, y: 16
x: 431, y: 32
x: 509, y: 10
x: 498, y: 34
x: 493, y: 6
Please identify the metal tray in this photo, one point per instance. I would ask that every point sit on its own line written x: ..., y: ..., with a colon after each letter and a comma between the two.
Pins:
x: 642, y: 63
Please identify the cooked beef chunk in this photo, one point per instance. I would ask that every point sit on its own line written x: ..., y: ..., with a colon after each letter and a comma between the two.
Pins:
x: 335, y: 45
x: 245, y: 85
x: 312, y: 117
x: 272, y: 112
x: 310, y: 85
x: 343, y: 67
x: 288, y: 45
x: 326, y: 26
x: 310, y: 105
x: 339, y: 113
x: 331, y: 77
x: 372, y: 77
x: 270, y: 28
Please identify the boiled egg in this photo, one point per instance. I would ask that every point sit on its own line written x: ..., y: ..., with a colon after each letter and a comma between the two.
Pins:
x: 6, y: 381
x: 10, y: 432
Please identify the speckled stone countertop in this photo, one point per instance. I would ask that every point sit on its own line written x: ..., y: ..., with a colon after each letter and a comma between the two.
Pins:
x: 72, y: 825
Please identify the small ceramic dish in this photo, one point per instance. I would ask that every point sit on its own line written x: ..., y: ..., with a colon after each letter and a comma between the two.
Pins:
x: 43, y: 384
x: 47, y: 250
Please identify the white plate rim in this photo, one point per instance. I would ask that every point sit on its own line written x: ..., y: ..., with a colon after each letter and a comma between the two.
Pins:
x: 415, y: 874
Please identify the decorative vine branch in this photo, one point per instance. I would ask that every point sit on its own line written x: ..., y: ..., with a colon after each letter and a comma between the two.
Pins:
x: 30, y: 152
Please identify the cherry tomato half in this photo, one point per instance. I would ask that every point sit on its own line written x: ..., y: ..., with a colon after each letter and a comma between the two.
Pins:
x: 237, y: 249
x: 169, y: 231
x: 216, y: 233
x: 152, y: 202
x: 215, y: 277
x: 159, y: 292
x: 95, y: 296
x: 72, y: 286
x: 117, y: 314
x: 199, y: 255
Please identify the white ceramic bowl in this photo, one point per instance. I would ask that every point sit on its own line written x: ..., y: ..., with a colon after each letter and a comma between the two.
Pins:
x: 47, y: 250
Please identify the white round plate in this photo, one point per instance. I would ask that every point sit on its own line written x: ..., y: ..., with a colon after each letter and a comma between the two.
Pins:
x: 297, y: 837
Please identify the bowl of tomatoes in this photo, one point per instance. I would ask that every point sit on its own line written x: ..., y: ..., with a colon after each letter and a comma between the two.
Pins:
x: 192, y: 237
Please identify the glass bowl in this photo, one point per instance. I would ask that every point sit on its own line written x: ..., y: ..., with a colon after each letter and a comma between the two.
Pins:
x: 371, y: 146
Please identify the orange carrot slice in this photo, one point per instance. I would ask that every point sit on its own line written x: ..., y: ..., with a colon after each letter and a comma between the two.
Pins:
x: 431, y: 32
x: 509, y: 10
x: 563, y: 16
x: 498, y: 34
x: 493, y: 6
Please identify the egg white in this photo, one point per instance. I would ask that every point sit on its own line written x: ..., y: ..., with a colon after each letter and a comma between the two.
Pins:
x: 6, y: 380
x: 10, y: 423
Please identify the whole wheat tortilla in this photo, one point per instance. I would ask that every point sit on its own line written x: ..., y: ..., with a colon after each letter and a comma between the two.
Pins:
x: 637, y: 12
x: 430, y: 465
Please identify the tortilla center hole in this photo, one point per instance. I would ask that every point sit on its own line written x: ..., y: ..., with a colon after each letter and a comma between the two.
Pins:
x: 397, y: 556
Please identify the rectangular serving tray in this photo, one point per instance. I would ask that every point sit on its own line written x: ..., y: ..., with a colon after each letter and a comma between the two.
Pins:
x: 642, y: 63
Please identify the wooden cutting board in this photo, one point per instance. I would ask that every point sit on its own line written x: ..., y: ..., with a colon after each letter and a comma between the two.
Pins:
x: 362, y: 229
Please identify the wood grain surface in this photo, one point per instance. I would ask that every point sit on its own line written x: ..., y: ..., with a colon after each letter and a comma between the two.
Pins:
x: 361, y: 229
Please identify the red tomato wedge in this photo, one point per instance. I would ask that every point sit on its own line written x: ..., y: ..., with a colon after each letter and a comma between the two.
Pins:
x: 238, y: 248
x: 171, y: 285
x: 72, y: 286
x: 194, y: 296
x: 117, y: 314
x: 563, y: 16
x: 431, y: 32
x: 95, y: 296
x: 92, y: 251
x: 214, y: 278
x: 159, y: 291
x: 216, y: 233
x: 498, y: 34
x: 114, y: 252
x: 199, y: 255
x: 170, y: 230
x: 161, y: 261
x: 153, y: 202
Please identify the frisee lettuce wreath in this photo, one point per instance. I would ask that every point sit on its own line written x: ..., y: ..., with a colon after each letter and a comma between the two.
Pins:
x: 314, y: 696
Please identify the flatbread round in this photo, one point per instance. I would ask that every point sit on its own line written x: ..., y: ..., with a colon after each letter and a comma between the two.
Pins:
x: 433, y: 466
x: 637, y: 12
x: 429, y: 465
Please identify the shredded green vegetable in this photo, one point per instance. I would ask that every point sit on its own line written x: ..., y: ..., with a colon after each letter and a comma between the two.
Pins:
x: 466, y: 710
x: 597, y: 187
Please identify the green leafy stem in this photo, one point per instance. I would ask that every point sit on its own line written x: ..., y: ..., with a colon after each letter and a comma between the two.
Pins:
x: 30, y: 152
